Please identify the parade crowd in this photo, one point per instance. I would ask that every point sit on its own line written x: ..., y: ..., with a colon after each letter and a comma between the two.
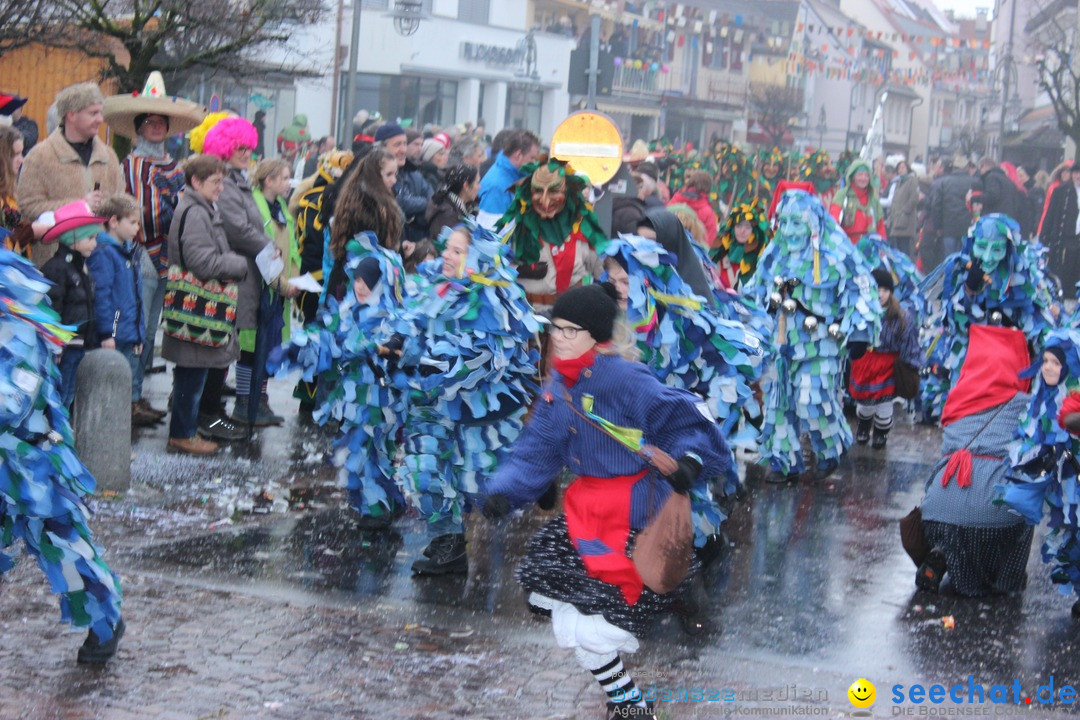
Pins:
x: 481, y: 341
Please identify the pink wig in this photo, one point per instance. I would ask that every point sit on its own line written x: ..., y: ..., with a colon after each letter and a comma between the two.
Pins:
x: 228, y: 135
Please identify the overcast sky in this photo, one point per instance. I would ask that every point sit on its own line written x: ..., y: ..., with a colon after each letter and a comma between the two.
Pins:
x: 965, y: 8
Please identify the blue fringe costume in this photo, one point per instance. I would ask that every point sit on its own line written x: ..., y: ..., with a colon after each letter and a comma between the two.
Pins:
x: 1044, y: 472
x: 833, y: 286
x: 42, y: 480
x: 906, y: 276
x: 686, y: 344
x: 467, y: 370
x: 341, y: 349
x: 1015, y: 295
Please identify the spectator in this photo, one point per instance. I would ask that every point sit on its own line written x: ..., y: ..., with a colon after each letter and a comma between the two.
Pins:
x: 433, y: 159
x: 627, y: 211
x: 155, y: 180
x: 1000, y: 194
x: 904, y: 207
x: 411, y: 191
x: 497, y: 144
x: 366, y: 202
x: 197, y: 241
x: 1061, y: 230
x: 316, y: 153
x: 23, y: 230
x: 454, y: 200
x: 1031, y: 197
x: 270, y: 186
x: 948, y: 213
x: 118, y: 308
x: 72, y: 163
x: 1062, y: 174
x: 497, y: 187
x: 72, y: 291
x: 649, y: 192
x: 232, y: 140
x: 695, y: 193
x: 467, y: 152
x: 12, y: 105
x: 259, y: 124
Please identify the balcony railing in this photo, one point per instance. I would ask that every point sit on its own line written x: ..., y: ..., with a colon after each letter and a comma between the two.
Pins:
x: 643, y: 82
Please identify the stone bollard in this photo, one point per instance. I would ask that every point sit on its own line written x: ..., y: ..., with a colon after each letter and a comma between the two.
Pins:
x: 102, y: 421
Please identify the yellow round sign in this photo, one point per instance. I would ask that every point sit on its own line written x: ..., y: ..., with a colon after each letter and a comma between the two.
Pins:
x: 591, y: 143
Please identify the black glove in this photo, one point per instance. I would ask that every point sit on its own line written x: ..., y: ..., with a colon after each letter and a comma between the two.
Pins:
x: 974, y: 280
x: 857, y: 348
x: 535, y: 271
x: 685, y: 475
x: 496, y: 506
x: 428, y: 370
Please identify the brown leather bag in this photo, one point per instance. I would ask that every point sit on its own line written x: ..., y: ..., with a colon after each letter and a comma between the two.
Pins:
x: 905, y: 380
x: 662, y: 551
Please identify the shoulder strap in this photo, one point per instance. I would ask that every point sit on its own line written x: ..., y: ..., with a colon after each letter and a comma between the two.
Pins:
x: 180, y: 235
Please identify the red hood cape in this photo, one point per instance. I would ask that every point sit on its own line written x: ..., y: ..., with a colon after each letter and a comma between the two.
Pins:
x: 991, y: 372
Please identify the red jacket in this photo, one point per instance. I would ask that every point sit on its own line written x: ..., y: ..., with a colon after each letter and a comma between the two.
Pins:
x: 701, y: 206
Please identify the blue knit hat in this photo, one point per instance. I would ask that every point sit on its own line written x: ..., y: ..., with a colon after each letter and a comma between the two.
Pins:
x: 387, y: 131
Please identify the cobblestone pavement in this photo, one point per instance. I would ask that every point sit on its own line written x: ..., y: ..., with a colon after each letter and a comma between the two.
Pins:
x: 297, y: 614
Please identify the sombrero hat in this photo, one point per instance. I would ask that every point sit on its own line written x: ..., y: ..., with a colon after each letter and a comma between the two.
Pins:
x: 120, y: 111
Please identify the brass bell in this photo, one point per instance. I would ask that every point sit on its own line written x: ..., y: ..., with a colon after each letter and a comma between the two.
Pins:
x: 834, y: 331
x: 789, y: 306
x: 810, y: 323
x: 778, y: 281
x: 995, y: 317
x: 774, y: 301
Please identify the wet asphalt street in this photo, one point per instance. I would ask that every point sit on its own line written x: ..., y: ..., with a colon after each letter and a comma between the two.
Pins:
x: 295, y: 613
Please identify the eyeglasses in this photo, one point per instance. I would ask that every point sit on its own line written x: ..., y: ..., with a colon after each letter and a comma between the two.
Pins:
x: 569, y: 332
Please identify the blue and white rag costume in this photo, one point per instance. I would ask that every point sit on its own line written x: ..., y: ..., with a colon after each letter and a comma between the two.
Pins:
x: 687, y: 344
x: 1013, y: 295
x: 831, y: 300
x: 341, y: 348
x: 42, y: 481
x: 467, y: 371
x: 1043, y: 475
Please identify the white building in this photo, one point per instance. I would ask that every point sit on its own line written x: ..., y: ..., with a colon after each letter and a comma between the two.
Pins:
x: 469, y: 60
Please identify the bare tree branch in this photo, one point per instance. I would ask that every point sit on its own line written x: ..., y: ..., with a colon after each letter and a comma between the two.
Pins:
x: 175, y: 35
x: 18, y: 21
x: 775, y: 107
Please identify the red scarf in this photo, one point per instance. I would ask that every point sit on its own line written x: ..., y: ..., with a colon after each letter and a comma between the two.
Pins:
x: 570, y: 368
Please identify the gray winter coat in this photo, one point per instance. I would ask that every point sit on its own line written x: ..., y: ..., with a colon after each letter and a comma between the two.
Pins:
x: 903, y: 214
x: 205, y: 252
x: 244, y: 229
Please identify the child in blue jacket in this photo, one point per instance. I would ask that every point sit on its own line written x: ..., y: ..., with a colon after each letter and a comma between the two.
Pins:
x: 118, y: 311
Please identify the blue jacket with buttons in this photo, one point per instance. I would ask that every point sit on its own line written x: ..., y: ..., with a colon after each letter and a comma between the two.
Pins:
x: 624, y: 393
x: 118, y: 312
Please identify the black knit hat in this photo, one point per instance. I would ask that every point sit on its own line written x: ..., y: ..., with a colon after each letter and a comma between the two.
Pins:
x: 884, y: 279
x: 1058, y: 352
x: 369, y: 271
x: 592, y: 307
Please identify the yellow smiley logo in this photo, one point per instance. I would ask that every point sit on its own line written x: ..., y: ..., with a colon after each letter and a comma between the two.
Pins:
x: 862, y: 693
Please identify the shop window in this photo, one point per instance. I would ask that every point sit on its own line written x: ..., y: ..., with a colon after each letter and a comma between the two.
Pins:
x: 523, y: 108
x: 474, y: 11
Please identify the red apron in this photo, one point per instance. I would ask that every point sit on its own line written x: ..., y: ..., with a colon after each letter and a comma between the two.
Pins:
x: 872, y: 376
x: 598, y: 522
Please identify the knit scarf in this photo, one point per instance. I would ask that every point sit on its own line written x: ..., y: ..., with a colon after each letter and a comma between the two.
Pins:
x: 570, y: 368
x: 147, y: 149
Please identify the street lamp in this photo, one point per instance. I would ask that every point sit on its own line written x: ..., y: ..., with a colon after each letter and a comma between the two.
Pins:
x: 822, y: 126
x: 407, y: 15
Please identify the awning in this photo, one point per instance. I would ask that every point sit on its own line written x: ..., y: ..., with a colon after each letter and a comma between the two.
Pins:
x: 627, y: 109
